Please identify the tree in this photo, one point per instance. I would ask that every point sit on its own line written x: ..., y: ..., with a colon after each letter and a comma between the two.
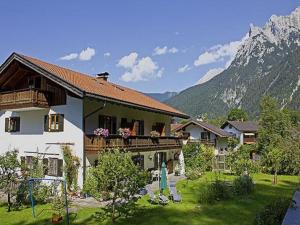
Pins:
x: 237, y: 114
x: 118, y: 179
x: 198, y: 159
x: 71, y: 167
x: 275, y: 155
x: 9, y: 175
x: 240, y: 162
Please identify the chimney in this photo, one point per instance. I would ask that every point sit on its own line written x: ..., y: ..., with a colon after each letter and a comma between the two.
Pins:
x: 103, y: 76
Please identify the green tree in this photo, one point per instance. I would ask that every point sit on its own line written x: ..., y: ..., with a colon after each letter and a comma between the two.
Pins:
x: 9, y: 175
x: 118, y: 179
x: 275, y: 156
x: 239, y: 160
x: 237, y: 114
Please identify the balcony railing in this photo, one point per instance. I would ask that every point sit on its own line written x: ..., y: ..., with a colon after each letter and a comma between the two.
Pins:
x: 133, y: 143
x: 201, y: 141
x: 24, y: 98
x: 249, y: 140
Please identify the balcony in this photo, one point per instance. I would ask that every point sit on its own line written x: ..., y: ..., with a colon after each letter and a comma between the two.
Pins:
x: 23, y: 99
x: 133, y: 143
x: 249, y: 140
x: 201, y: 141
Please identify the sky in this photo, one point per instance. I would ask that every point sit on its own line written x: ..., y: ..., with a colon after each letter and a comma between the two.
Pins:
x: 150, y: 46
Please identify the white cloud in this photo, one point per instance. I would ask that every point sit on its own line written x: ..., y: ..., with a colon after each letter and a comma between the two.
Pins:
x: 128, y: 61
x: 173, y: 50
x: 139, y: 69
x: 219, y: 53
x: 164, y: 50
x: 87, y: 54
x: 107, y: 54
x: 183, y: 69
x: 160, y: 51
x: 70, y: 56
x: 210, y: 74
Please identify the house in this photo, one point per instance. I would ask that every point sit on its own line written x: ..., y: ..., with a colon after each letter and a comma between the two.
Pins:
x: 197, y: 131
x: 44, y: 107
x: 245, y: 131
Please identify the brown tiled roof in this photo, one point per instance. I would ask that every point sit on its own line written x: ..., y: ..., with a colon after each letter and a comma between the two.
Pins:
x: 207, y: 126
x: 100, y: 87
x: 243, y: 125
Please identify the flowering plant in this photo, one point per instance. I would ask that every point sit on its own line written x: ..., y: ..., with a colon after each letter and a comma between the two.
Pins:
x: 102, y: 132
x: 124, y: 132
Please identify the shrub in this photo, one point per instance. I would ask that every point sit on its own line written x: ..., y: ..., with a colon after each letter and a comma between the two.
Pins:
x: 216, y: 191
x: 193, y: 173
x: 243, y: 185
x: 273, y: 213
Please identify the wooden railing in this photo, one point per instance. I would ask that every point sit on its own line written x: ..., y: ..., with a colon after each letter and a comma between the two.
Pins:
x: 249, y: 140
x: 24, y: 98
x: 201, y: 141
x: 95, y: 143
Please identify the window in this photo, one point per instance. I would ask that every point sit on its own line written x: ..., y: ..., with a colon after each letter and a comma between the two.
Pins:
x: 138, y: 160
x: 108, y: 122
x: 138, y: 127
x: 160, y: 128
x: 205, y: 135
x: 55, y: 167
x: 12, y: 124
x: 54, y: 123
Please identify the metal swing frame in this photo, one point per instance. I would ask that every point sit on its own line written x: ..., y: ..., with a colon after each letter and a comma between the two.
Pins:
x: 31, y: 186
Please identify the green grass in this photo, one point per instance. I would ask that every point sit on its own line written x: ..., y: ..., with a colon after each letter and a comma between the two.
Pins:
x: 238, y: 210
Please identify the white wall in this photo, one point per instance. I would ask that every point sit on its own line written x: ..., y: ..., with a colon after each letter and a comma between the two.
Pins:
x: 195, y: 132
x: 32, y: 136
x: 236, y: 132
x: 119, y: 111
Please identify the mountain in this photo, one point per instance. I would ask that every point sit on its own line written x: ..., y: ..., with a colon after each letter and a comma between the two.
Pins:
x: 162, y: 97
x: 267, y: 63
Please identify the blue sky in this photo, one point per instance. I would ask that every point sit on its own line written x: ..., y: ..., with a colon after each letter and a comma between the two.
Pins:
x: 151, y: 46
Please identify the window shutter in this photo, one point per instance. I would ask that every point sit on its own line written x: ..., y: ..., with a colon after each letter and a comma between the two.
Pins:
x: 17, y: 120
x: 45, y: 166
x: 60, y: 168
x: 6, y: 124
x: 61, y: 122
x: 46, y: 123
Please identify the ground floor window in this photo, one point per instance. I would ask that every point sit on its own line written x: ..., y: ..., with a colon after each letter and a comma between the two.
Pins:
x: 55, y: 167
x: 138, y: 160
x: 12, y: 124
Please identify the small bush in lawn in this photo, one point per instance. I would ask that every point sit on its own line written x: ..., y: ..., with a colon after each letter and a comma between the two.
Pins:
x: 273, y: 214
x: 216, y: 191
x: 243, y: 185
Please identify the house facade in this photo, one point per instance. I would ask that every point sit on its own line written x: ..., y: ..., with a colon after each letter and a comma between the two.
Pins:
x: 245, y: 131
x: 44, y: 107
x: 197, y: 131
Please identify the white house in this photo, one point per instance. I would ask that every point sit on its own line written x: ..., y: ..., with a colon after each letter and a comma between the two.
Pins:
x: 245, y: 131
x: 197, y: 131
x: 44, y: 107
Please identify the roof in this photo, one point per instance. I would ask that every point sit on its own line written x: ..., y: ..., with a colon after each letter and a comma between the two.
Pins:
x: 243, y: 125
x: 174, y: 126
x: 83, y: 84
x: 207, y: 126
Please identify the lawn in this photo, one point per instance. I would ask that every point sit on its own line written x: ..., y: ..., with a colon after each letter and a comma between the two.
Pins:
x: 239, y: 210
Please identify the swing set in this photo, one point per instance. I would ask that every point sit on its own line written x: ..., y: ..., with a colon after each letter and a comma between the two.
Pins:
x: 35, y: 183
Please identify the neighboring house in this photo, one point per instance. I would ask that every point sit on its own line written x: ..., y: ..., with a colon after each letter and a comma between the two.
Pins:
x: 245, y: 131
x: 44, y: 107
x: 202, y: 132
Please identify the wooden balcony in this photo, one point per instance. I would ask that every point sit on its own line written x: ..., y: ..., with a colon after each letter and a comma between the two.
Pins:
x: 201, y: 141
x: 249, y: 140
x: 23, y: 99
x: 133, y: 143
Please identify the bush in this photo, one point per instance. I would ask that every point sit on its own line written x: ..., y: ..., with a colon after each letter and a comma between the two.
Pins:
x: 193, y: 173
x: 273, y: 214
x: 216, y: 191
x: 243, y: 185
